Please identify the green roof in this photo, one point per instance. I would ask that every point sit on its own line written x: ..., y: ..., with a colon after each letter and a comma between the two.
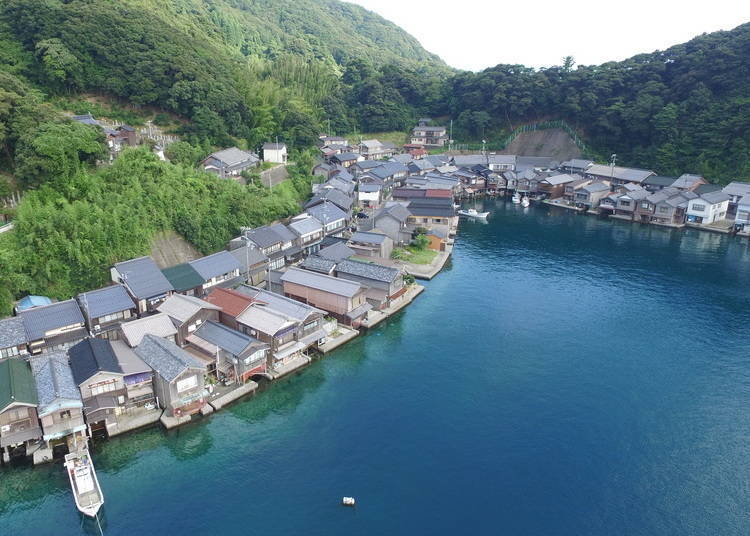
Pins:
x: 16, y: 383
x: 183, y: 277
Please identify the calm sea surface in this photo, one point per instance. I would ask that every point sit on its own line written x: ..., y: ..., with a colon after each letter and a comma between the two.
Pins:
x: 564, y: 375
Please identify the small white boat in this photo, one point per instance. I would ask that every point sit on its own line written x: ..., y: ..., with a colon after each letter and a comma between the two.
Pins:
x: 516, y: 199
x: 348, y: 501
x: 525, y: 202
x: 86, y: 491
x: 472, y: 213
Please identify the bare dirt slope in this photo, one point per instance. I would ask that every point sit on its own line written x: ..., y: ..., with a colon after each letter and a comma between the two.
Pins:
x: 169, y: 248
x: 551, y: 142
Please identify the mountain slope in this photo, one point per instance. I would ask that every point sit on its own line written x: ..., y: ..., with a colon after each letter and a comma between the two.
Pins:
x: 685, y: 109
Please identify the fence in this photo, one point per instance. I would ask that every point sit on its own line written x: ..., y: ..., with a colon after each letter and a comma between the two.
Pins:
x: 530, y: 127
x: 546, y: 125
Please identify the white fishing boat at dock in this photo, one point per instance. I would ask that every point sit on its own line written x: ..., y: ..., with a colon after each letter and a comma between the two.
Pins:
x: 84, y: 483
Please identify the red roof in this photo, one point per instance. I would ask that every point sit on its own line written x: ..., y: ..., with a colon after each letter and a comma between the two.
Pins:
x: 438, y: 193
x: 231, y: 302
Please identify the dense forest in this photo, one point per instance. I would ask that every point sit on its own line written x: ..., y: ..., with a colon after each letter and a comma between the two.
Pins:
x: 686, y: 109
x: 242, y: 72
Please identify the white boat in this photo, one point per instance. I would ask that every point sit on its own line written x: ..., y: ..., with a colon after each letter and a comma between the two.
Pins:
x: 525, y: 202
x: 348, y: 501
x: 516, y: 199
x: 86, y: 491
x: 472, y: 213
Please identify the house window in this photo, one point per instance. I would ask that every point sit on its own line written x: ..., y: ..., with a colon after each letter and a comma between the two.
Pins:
x: 663, y: 210
x: 699, y: 208
x: 645, y: 205
x: 65, y: 414
x: 187, y: 383
x: 9, y: 352
x: 111, y: 317
x: 102, y: 387
x: 260, y: 354
x: 625, y: 203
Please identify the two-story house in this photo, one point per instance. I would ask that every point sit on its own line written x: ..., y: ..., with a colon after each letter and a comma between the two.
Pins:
x: 104, y: 309
x: 344, y: 300
x: 429, y: 136
x: 13, y: 338
x: 144, y: 281
x: 383, y: 283
x: 230, y: 162
x: 53, y: 327
x: 19, y: 422
x: 219, y: 269
x: 237, y: 356
x: 334, y: 219
x: 60, y: 406
x: 99, y: 377
x: 708, y: 208
x: 309, y: 233
x: 188, y: 313
x: 178, y: 376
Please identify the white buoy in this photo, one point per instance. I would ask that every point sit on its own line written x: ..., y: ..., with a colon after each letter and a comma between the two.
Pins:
x: 348, y: 501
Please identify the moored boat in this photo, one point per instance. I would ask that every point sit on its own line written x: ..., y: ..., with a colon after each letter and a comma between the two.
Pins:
x: 525, y: 201
x: 84, y: 483
x: 472, y: 213
x: 516, y: 198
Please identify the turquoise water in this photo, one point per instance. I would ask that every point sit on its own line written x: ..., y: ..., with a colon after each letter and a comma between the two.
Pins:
x: 564, y: 375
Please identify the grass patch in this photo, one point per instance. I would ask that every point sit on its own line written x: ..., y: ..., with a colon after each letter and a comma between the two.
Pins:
x: 396, y: 137
x: 414, y: 255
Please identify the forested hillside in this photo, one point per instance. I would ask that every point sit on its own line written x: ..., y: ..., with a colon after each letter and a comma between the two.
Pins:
x: 686, y: 109
x: 243, y: 68
x: 242, y: 72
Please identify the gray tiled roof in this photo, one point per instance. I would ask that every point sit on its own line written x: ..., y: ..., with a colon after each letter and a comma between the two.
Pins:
x: 322, y: 282
x: 621, y: 173
x: 737, y: 188
x: 183, y: 308
x: 368, y: 238
x: 596, y: 187
x: 333, y: 195
x: 106, y: 301
x: 273, y: 146
x: 368, y: 270
x: 40, y: 320
x: 12, y: 332
x: 158, y: 324
x: 55, y: 385
x: 326, y: 212
x: 306, y: 226
x: 577, y: 163
x: 264, y: 236
x: 336, y: 252
x: 245, y: 255
x: 91, y: 356
x: 716, y: 197
x: 285, y: 234
x: 215, y: 265
x: 397, y: 211
x: 143, y: 277
x: 388, y: 169
x: 233, y: 156
x: 687, y: 180
x: 318, y: 264
x: 165, y: 357
x: 225, y: 338
x: 560, y: 179
x: 286, y: 306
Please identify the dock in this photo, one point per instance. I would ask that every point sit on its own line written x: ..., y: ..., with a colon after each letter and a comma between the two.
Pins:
x: 376, y: 317
x: 234, y: 394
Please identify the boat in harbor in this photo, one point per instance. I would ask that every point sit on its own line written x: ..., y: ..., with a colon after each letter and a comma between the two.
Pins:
x: 86, y: 490
x: 472, y: 213
x: 516, y: 199
x: 525, y: 202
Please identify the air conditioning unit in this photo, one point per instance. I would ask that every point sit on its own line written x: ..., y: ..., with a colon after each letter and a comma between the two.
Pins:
x: 5, y: 428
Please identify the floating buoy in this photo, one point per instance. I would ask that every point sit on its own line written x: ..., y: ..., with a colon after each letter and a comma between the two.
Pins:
x: 348, y: 501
